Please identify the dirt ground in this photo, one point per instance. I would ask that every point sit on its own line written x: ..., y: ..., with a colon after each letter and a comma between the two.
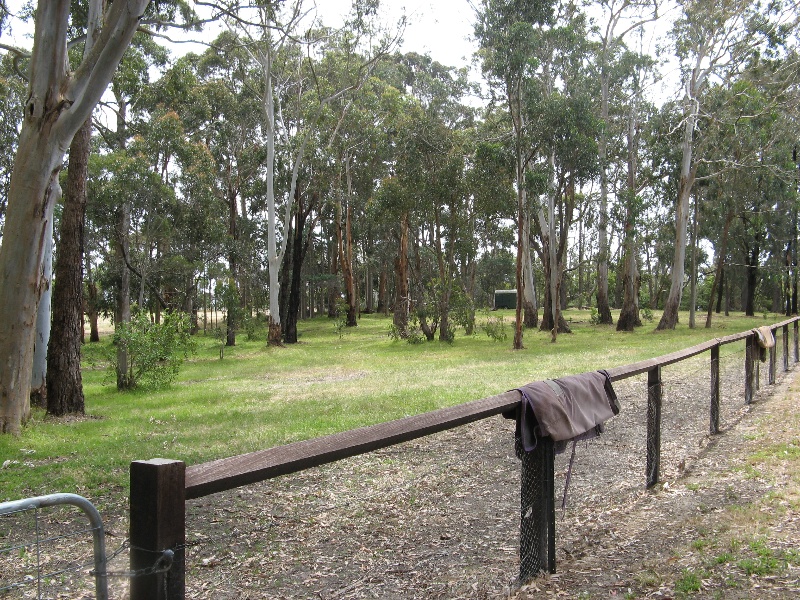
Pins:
x: 438, y: 518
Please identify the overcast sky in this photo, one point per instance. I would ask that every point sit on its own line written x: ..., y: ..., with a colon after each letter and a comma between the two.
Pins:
x: 440, y: 28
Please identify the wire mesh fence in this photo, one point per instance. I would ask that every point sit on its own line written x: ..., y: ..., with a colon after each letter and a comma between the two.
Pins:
x: 432, y: 518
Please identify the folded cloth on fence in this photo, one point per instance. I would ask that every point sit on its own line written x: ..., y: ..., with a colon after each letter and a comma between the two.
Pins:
x: 765, y: 340
x: 764, y: 336
x: 568, y: 408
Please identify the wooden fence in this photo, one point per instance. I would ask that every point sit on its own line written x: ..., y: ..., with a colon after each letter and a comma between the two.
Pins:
x: 160, y: 487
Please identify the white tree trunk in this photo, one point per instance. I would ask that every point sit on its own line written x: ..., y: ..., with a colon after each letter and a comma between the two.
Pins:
x: 42, y: 335
x: 58, y: 103
x: 670, y: 317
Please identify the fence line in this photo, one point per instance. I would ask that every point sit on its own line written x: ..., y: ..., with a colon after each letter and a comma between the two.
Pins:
x: 160, y: 488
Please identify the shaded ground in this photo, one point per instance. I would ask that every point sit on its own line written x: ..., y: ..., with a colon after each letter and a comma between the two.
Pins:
x: 438, y: 517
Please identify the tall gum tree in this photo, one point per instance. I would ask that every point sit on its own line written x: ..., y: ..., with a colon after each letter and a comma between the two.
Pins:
x: 64, y: 387
x: 268, y: 30
x: 504, y: 29
x: 621, y: 17
x: 713, y: 40
x: 57, y: 104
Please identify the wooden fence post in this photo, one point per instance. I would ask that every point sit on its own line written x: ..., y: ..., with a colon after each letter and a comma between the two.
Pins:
x: 714, y: 425
x: 773, y: 358
x: 785, y: 348
x: 653, y: 425
x: 749, y: 357
x: 158, y: 527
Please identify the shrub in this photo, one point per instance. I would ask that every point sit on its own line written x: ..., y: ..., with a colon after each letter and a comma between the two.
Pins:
x: 414, y: 334
x: 156, y: 351
x: 495, y: 327
x: 340, y: 322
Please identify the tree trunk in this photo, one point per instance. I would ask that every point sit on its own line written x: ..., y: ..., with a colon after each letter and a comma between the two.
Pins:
x: 295, y: 285
x: 345, y: 251
x: 419, y: 301
x: 232, y: 297
x: 58, y: 104
x: 603, y: 308
x: 43, y: 329
x: 400, y: 318
x: 531, y: 319
x: 515, y: 102
x: 123, y: 300
x: 669, y: 319
x: 122, y: 312
x: 553, y: 279
x: 285, y: 282
x: 65, y: 384
x: 369, y: 290
x: 751, y: 281
x: 721, y: 286
x: 383, y: 306
x: 716, y: 286
x: 629, y: 315
x: 693, y: 268
x: 333, y: 286
x: 300, y: 245
x: 445, y: 282
x: 92, y: 313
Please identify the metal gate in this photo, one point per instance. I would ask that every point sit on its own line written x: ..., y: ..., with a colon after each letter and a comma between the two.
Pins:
x: 95, y: 526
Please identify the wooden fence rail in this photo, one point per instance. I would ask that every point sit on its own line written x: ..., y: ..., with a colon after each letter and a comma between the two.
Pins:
x: 160, y: 488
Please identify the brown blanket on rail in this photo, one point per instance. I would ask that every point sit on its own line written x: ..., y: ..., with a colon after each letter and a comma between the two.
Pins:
x: 574, y: 407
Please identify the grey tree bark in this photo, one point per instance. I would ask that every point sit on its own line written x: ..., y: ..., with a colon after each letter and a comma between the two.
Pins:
x: 58, y: 103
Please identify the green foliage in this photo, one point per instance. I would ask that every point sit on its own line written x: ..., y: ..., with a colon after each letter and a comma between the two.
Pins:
x: 462, y: 311
x: 220, y: 336
x: 494, y: 327
x: 156, y: 351
x: 252, y: 327
x: 594, y: 316
x: 646, y: 313
x: 340, y: 321
x: 764, y: 562
x: 415, y: 334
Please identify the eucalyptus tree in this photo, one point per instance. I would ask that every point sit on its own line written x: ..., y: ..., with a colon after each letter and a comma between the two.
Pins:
x: 283, y: 45
x: 505, y: 30
x: 58, y: 103
x: 216, y: 94
x: 714, y: 40
x: 491, y: 182
x: 619, y: 19
x: 638, y: 174
x: 64, y: 388
x: 433, y: 162
x: 563, y: 130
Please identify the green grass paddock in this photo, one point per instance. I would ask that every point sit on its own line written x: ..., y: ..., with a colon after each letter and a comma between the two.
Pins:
x: 258, y: 397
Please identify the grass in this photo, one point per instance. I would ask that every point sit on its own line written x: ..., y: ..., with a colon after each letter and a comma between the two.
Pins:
x: 689, y: 583
x: 258, y: 397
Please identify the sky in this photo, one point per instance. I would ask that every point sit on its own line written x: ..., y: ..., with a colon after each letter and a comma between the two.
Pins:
x: 440, y: 28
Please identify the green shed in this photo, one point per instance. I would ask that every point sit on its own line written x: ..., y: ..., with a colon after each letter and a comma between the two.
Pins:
x: 505, y: 299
